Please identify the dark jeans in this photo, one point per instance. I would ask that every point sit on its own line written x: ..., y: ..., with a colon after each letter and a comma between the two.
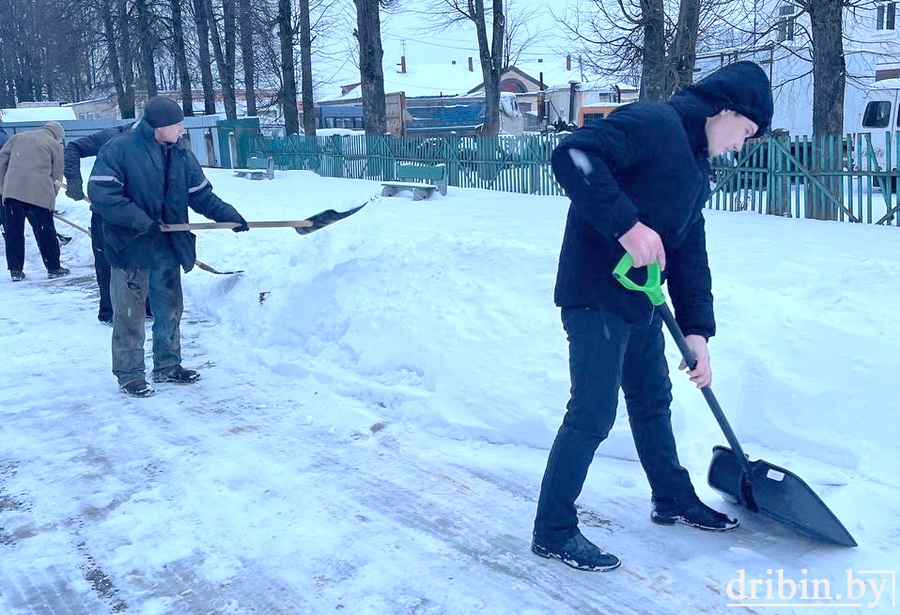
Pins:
x: 605, y: 352
x: 101, y: 267
x: 129, y: 290
x: 41, y: 219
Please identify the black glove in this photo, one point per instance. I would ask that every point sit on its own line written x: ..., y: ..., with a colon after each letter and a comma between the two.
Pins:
x: 242, y: 225
x: 74, y: 191
x: 154, y: 229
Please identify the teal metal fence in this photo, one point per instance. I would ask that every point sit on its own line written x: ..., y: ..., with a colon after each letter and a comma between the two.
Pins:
x: 514, y: 164
x: 853, y: 178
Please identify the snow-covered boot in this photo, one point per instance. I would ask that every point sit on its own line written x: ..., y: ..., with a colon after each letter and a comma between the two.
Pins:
x: 137, y: 388
x: 691, y: 512
x: 178, y: 375
x: 577, y: 552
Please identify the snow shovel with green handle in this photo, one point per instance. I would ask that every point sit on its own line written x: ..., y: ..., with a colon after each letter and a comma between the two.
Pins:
x: 759, y: 485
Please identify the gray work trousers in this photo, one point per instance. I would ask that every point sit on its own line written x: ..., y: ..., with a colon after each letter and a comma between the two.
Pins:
x: 129, y: 289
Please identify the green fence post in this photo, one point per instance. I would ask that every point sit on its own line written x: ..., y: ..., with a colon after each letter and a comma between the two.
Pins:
x: 337, y: 156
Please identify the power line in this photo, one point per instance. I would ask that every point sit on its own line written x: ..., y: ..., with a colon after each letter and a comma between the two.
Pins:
x: 466, y: 49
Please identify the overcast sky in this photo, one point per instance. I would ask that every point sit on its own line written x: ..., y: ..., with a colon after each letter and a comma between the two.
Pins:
x: 409, y: 31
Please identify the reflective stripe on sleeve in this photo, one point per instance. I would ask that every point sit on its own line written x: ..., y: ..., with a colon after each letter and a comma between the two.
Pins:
x: 105, y: 178
x: 200, y: 187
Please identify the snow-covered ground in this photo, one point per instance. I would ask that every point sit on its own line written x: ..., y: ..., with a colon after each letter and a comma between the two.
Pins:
x: 376, y: 407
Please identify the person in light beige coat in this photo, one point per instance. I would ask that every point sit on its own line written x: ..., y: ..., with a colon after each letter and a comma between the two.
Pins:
x: 30, y: 165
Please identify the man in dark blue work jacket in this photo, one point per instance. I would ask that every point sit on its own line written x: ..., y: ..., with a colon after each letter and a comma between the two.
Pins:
x: 142, y: 180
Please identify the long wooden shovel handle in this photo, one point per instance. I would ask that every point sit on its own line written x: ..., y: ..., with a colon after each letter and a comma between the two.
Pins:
x: 204, y: 226
x: 199, y: 263
x: 72, y: 224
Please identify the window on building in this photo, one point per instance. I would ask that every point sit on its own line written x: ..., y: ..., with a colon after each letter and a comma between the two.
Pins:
x: 877, y: 114
x: 787, y: 15
x: 885, y: 15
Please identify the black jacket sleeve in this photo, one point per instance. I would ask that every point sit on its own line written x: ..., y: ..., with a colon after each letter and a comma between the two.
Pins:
x: 86, y: 147
x: 72, y: 163
x: 690, y: 283
x: 586, y: 164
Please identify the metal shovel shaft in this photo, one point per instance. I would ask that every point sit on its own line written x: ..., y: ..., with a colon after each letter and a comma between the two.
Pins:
x: 691, y: 361
x: 759, y: 485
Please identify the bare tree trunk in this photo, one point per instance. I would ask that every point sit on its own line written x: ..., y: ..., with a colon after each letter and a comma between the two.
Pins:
x: 229, y: 25
x: 23, y: 45
x: 112, y: 53
x: 224, y: 56
x: 371, y: 73
x: 201, y: 19
x: 829, y: 79
x: 654, y: 73
x: 126, y: 102
x: 829, y: 69
x: 184, y: 77
x: 683, y: 52
x: 7, y: 96
x: 288, y: 79
x: 306, y: 81
x: 491, y: 57
x: 247, y: 56
x: 146, y: 47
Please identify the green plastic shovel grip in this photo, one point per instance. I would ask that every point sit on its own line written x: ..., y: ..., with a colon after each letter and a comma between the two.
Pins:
x: 652, y: 288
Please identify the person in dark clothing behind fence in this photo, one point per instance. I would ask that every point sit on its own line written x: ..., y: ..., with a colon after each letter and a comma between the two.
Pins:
x: 30, y: 164
x: 140, y: 181
x: 637, y: 183
x: 74, y: 151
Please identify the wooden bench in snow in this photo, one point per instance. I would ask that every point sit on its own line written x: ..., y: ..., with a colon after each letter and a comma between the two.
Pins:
x: 436, y: 176
x: 258, y: 168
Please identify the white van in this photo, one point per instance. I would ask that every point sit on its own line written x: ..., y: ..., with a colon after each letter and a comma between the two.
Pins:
x: 879, y: 117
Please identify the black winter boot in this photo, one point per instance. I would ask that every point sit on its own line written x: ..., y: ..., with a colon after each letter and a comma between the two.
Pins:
x: 691, y: 512
x: 178, y: 375
x: 579, y: 553
x: 137, y: 388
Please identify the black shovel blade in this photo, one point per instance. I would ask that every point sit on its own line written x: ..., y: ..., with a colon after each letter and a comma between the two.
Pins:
x: 324, y: 218
x: 778, y: 494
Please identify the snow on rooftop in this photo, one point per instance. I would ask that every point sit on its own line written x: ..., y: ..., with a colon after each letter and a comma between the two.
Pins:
x: 37, y: 114
x: 886, y: 84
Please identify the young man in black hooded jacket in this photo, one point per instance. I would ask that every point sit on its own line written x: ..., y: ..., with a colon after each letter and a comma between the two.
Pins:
x: 637, y: 183
x: 141, y: 181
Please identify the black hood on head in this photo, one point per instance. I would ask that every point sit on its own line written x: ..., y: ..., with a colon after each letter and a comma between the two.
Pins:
x: 742, y: 87
x: 694, y: 111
